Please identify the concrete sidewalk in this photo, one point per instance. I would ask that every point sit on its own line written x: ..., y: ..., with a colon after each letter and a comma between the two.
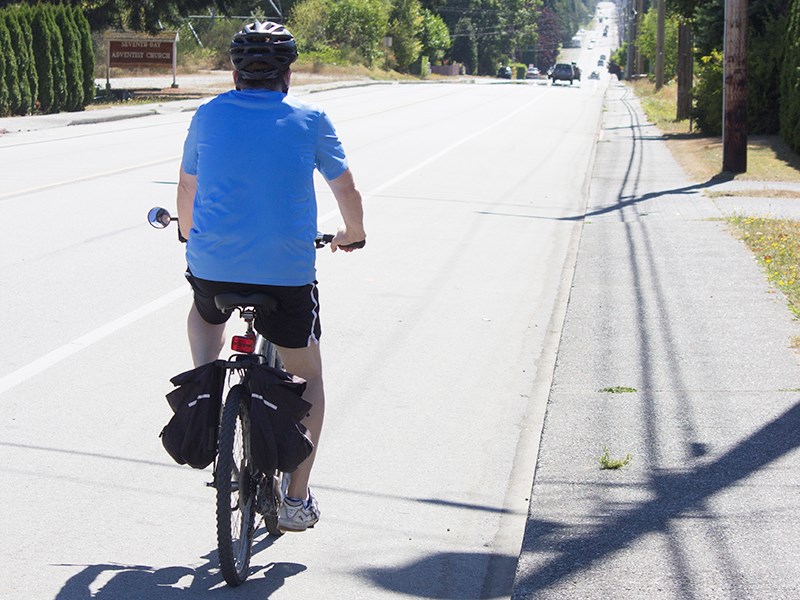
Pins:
x: 666, y: 302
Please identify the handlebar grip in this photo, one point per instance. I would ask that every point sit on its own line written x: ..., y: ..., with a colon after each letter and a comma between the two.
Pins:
x: 355, y: 245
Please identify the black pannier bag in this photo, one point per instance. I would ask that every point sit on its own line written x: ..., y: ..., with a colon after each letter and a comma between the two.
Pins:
x: 277, y: 438
x: 190, y: 437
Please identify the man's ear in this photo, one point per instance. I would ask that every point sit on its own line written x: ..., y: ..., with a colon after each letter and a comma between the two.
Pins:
x: 236, y: 79
x: 287, y: 80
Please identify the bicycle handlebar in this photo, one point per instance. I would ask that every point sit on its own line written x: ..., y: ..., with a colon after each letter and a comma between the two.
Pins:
x: 160, y: 218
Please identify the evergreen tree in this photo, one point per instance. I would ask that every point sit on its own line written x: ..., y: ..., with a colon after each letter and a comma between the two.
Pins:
x: 550, y: 36
x: 5, y: 107
x: 59, y: 75
x: 73, y: 68
x: 24, y: 15
x: 87, y: 54
x: 43, y: 57
x: 26, y: 70
x: 465, y: 47
x: 8, y: 74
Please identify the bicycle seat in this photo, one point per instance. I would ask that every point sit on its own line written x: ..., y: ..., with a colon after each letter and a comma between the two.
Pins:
x: 230, y: 300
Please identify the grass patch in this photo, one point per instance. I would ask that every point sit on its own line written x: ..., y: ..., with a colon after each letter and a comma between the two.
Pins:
x: 793, y: 194
x: 776, y: 245
x: 700, y: 156
x: 607, y: 462
x: 619, y: 389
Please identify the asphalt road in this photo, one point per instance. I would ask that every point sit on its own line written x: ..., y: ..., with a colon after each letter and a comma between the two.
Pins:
x: 439, y: 343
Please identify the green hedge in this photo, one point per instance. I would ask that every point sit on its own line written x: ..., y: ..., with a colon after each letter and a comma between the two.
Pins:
x: 50, y: 72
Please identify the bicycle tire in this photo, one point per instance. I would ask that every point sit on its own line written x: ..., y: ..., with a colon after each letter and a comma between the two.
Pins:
x: 236, y: 489
x: 272, y: 485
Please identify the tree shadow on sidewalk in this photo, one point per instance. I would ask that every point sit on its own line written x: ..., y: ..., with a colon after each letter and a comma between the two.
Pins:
x: 676, y: 495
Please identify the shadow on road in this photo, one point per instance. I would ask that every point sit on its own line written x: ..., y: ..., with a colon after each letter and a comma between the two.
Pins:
x: 140, y: 582
x: 450, y: 576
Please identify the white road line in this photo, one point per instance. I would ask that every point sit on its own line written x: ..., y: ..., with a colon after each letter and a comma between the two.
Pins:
x: 87, y: 177
x: 331, y: 214
x: 56, y: 356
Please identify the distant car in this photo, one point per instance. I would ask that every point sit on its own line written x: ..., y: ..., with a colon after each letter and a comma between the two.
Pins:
x: 601, y: 63
x: 563, y: 72
x: 504, y: 72
x: 532, y: 73
x: 594, y: 75
x: 603, y: 57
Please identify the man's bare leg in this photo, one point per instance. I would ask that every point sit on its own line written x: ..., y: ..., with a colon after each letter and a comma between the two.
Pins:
x: 205, y: 340
x: 306, y: 363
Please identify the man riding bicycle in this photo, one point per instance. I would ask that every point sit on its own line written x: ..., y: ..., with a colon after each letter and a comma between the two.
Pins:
x: 247, y: 208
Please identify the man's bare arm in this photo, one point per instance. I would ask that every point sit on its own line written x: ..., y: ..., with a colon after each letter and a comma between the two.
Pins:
x: 187, y: 187
x: 350, y: 206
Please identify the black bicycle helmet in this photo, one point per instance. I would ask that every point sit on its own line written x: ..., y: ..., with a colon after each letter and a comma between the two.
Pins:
x: 263, y: 50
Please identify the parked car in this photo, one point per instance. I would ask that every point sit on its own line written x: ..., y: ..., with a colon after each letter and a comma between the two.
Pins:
x: 601, y: 63
x: 594, y: 75
x: 504, y: 72
x: 563, y: 72
x: 532, y: 73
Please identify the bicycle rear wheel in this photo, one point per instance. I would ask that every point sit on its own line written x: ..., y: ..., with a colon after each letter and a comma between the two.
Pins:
x: 272, y: 484
x: 236, y: 489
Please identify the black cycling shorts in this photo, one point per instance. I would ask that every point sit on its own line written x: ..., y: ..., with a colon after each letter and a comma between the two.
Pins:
x: 295, y: 324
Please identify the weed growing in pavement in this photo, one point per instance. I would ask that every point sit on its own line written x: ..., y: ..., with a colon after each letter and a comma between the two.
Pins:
x: 776, y: 245
x: 619, y: 389
x: 606, y: 462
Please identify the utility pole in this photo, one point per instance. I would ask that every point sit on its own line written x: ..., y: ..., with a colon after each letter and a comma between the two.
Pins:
x: 631, y: 32
x: 639, y: 16
x: 685, y: 71
x: 734, y: 92
x: 662, y: 18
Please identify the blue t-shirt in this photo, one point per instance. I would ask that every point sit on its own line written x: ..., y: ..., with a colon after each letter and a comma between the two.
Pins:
x: 255, y: 213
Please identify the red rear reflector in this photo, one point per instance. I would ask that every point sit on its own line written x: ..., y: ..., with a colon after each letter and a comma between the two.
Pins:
x: 243, y: 344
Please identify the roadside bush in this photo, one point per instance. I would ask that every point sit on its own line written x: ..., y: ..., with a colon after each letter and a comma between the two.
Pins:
x: 646, y: 42
x: 405, y: 23
x: 359, y: 24
x: 765, y: 54
x: 790, y: 81
x: 708, y: 94
x: 435, y: 37
x: 764, y: 59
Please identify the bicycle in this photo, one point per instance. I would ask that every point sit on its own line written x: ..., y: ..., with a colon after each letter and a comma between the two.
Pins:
x: 242, y: 491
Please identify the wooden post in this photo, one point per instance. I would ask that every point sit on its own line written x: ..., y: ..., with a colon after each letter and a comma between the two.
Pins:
x: 685, y: 71
x: 662, y: 18
x: 734, y: 93
x: 639, y: 16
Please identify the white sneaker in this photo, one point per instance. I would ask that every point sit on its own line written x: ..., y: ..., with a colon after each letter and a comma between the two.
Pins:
x: 296, y: 515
